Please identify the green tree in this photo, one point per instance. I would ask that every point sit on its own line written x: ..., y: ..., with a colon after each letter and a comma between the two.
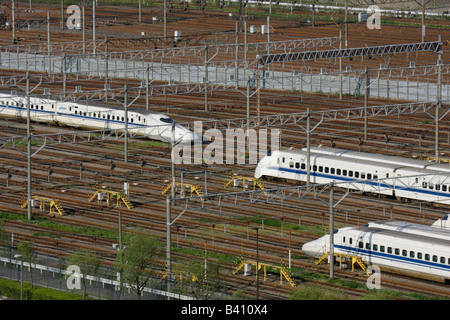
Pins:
x: 89, y: 264
x: 201, y: 283
x: 139, y: 260
x: 29, y: 255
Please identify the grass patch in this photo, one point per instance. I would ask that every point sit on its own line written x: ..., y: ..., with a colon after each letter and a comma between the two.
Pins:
x: 11, y: 289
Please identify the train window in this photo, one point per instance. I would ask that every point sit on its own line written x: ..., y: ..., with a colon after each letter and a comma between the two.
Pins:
x: 360, y: 244
x: 387, y: 175
x: 369, y: 176
x: 431, y: 186
x: 382, y: 248
x: 435, y: 258
x: 297, y: 165
x: 338, y: 171
x: 350, y: 173
x: 333, y: 170
x: 42, y: 107
x: 283, y: 159
x: 320, y: 169
x: 303, y: 166
x: 291, y: 164
x: 356, y: 174
x: 343, y: 239
x: 351, y: 241
x: 109, y: 116
x: 411, y: 254
x: 76, y: 112
x: 444, y: 188
x: 404, y: 253
x: 375, y: 247
x: 427, y: 257
x: 438, y: 187
x: 166, y: 120
x: 368, y: 246
x: 314, y: 168
x: 442, y: 260
x: 389, y: 249
x: 397, y: 251
x: 132, y: 120
x: 113, y: 117
x: 448, y: 261
x: 419, y: 255
x: 344, y: 172
x: 375, y: 176
x: 424, y: 184
x: 327, y: 170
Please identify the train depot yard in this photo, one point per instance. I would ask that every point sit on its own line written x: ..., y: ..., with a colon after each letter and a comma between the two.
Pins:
x: 92, y: 105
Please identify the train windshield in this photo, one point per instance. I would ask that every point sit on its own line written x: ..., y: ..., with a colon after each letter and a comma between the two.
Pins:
x: 166, y: 120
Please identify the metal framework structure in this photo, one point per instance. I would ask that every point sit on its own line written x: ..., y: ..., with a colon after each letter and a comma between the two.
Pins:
x: 434, y: 46
x: 283, y: 194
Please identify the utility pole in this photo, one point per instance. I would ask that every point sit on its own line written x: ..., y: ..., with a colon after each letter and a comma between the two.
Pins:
x: 438, y: 105
x: 94, y: 44
x: 308, y: 147
x: 28, y: 148
x: 206, y: 78
x: 169, y: 243
x: 366, y: 101
x: 331, y: 230
x: 125, y: 105
x: 49, y: 44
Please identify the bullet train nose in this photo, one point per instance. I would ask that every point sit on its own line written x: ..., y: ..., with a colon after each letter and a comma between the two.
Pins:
x: 315, y: 247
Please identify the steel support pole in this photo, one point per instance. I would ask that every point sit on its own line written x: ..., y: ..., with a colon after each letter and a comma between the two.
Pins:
x: 340, y: 67
x: 29, y: 191
x: 172, y: 159
x: 331, y: 230
x: 366, y: 102
x: 169, y: 243
x: 308, y: 146
x: 438, y: 105
x: 49, y: 44
x: 206, y: 78
x: 125, y: 106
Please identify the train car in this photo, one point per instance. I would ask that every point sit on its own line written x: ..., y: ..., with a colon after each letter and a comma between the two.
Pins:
x: 400, y: 161
x: 155, y: 126
x: 393, y: 251
x: 403, y: 182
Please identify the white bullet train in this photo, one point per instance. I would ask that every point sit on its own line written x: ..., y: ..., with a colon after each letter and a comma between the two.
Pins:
x: 397, y: 251
x: 155, y: 126
x: 374, y: 176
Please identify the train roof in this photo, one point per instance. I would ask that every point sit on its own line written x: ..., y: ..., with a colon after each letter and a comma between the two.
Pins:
x: 400, y: 235
x: 403, y: 226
